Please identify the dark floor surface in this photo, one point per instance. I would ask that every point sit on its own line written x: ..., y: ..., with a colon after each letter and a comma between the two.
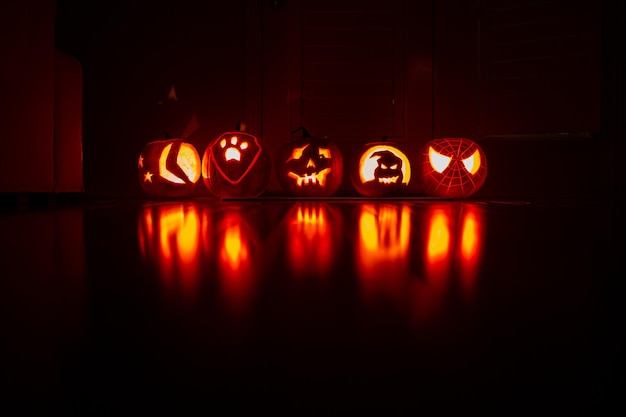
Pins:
x: 330, y: 307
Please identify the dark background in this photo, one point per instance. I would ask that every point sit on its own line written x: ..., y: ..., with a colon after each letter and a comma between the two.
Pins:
x: 230, y: 60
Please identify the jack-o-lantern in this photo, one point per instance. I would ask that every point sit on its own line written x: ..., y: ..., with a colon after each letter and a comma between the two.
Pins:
x: 169, y: 168
x: 452, y: 168
x: 309, y: 166
x: 380, y: 169
x: 236, y: 165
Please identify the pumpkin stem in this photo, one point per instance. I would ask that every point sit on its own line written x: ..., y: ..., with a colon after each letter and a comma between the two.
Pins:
x: 238, y: 125
x: 384, y: 138
x: 305, y: 132
x: 167, y: 135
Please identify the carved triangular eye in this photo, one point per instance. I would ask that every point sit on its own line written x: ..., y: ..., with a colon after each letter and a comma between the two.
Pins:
x: 438, y: 161
x: 472, y: 163
x: 297, y: 153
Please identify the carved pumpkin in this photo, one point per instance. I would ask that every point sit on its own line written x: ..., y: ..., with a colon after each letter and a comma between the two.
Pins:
x: 309, y: 166
x: 380, y: 169
x: 453, y: 168
x: 236, y: 165
x: 169, y: 168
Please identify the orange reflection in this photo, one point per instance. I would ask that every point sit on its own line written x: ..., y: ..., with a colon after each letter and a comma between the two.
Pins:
x: 438, y: 246
x: 312, y: 238
x: 383, y: 246
x: 471, y: 246
x: 454, y: 235
x: 236, y: 247
x: 169, y: 237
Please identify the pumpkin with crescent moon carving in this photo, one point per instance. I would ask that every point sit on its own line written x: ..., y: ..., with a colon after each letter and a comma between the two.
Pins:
x: 169, y: 168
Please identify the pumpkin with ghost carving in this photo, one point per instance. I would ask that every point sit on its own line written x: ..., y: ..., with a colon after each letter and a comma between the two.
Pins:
x: 380, y: 169
x: 452, y: 167
x: 309, y: 166
x: 236, y: 165
x: 169, y: 168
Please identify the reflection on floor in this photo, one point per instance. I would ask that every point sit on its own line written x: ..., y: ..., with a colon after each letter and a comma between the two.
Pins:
x: 312, y: 306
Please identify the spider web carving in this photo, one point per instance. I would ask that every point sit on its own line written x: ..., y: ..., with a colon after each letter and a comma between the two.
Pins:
x: 454, y: 180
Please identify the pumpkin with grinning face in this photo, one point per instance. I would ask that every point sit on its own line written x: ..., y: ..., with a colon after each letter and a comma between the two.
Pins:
x: 452, y: 167
x: 310, y: 166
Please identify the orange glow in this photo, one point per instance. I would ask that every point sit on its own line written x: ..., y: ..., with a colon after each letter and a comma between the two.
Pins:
x: 226, y: 155
x: 234, y: 252
x: 438, y: 161
x: 472, y: 163
x: 430, y: 293
x: 369, y: 162
x: 148, y: 176
x: 324, y: 152
x: 235, y: 261
x: 169, y: 237
x: 297, y: 153
x: 187, y: 159
x: 314, y: 178
x: 382, y: 249
x: 470, y: 238
x: 470, y: 246
x: 439, y: 237
x: 233, y: 153
x: 310, y: 243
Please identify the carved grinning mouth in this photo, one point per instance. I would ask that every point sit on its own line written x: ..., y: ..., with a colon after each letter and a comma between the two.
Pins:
x: 389, y: 180
x: 314, y: 178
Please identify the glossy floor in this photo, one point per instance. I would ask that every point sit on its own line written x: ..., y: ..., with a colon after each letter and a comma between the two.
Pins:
x: 313, y: 307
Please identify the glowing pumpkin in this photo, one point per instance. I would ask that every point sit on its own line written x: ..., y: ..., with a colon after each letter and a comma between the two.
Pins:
x: 309, y: 166
x: 452, y: 168
x: 236, y: 165
x: 169, y: 168
x: 380, y: 169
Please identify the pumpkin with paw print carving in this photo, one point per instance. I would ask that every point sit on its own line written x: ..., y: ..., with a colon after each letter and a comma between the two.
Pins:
x: 236, y: 165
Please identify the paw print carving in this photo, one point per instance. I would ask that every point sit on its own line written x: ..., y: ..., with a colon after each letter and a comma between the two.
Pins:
x: 232, y: 148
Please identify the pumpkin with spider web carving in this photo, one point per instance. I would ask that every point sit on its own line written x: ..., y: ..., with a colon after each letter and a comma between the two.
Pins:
x: 452, y: 167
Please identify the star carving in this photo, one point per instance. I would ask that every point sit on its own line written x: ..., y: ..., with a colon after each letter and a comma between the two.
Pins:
x: 147, y: 177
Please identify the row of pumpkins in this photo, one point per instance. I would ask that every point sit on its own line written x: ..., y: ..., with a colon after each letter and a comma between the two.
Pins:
x: 237, y: 165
